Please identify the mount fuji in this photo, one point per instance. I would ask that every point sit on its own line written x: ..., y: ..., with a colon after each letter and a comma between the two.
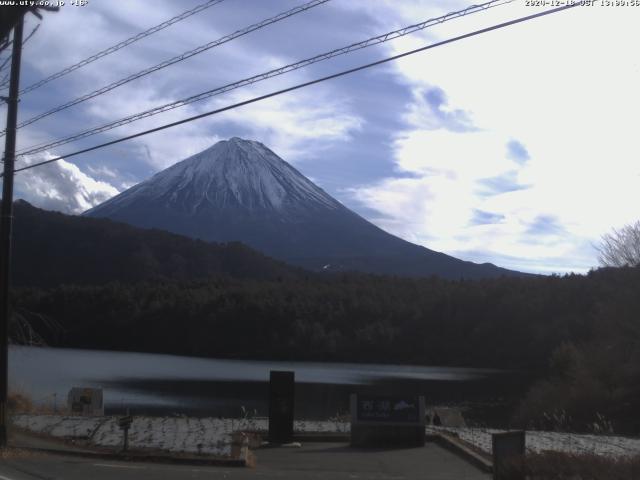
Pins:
x: 239, y: 190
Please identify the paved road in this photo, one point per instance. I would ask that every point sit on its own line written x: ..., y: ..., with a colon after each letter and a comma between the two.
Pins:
x: 322, y: 461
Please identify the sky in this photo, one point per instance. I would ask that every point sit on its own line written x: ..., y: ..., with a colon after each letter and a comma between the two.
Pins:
x: 518, y: 147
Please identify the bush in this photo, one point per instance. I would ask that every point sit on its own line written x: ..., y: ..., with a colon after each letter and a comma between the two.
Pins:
x: 591, y: 388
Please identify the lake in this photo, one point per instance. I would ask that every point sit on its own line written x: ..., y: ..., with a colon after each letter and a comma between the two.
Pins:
x: 169, y: 384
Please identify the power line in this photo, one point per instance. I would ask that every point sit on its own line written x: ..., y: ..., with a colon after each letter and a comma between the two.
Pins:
x: 118, y: 46
x: 176, y: 59
x: 301, y: 85
x: 5, y: 64
x: 264, y: 76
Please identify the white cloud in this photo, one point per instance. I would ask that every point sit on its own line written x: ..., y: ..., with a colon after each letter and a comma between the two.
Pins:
x: 102, y: 170
x: 295, y: 125
x: 568, y: 96
x: 60, y: 186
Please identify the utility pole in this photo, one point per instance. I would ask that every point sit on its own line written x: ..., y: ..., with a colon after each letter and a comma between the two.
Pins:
x: 6, y: 217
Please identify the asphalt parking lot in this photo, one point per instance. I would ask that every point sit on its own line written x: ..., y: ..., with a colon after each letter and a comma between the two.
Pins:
x: 313, y: 460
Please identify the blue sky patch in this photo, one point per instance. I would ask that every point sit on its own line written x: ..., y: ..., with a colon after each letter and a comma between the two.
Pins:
x: 505, y: 182
x: 480, y: 217
x: 517, y: 152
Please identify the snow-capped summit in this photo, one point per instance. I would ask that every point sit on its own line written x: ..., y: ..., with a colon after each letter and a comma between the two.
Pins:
x: 239, y: 190
x: 235, y: 173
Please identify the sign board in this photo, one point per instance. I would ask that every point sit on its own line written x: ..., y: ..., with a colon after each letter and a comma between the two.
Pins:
x: 507, y: 446
x: 85, y: 401
x: 281, y: 406
x: 387, y: 420
x: 125, y: 422
x: 387, y: 409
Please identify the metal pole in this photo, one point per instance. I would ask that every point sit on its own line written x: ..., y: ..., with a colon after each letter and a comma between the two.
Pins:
x: 126, y: 439
x: 6, y: 217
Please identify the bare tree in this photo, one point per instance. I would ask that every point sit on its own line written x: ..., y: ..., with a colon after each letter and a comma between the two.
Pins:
x: 23, y: 332
x: 621, y: 248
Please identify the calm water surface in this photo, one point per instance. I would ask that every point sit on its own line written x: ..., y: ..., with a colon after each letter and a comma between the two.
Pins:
x: 151, y: 383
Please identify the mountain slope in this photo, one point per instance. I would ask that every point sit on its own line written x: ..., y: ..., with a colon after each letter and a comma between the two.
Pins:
x: 239, y: 190
x: 52, y: 248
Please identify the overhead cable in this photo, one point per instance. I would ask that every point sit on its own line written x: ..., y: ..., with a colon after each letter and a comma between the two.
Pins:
x: 124, y: 43
x: 264, y: 76
x: 299, y: 86
x: 174, y: 60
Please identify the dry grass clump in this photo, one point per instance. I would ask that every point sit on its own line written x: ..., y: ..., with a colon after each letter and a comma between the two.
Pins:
x: 561, y: 466
x: 15, y: 453
x: 21, y: 402
x: 18, y: 402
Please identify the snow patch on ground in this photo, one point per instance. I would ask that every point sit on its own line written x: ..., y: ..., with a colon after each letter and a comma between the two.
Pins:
x: 211, y: 436
x: 605, y: 445
x: 58, y: 426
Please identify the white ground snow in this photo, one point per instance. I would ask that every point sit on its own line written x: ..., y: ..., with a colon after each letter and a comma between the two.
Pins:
x: 606, y: 445
x: 174, y: 434
x: 213, y: 435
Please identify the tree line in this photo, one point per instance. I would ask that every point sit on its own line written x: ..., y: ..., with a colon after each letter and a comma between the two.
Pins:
x: 580, y: 332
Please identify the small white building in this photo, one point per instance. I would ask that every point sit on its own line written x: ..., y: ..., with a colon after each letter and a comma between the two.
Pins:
x: 86, y: 402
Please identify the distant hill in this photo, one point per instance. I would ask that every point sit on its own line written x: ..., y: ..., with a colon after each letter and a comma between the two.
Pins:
x: 239, y: 190
x: 51, y: 248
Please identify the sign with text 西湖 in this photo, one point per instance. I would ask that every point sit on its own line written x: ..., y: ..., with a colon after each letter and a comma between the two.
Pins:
x: 388, y: 409
x: 386, y: 420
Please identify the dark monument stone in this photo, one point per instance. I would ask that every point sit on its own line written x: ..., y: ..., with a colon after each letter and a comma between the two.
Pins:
x: 387, y: 420
x: 281, y: 402
x: 507, y: 447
